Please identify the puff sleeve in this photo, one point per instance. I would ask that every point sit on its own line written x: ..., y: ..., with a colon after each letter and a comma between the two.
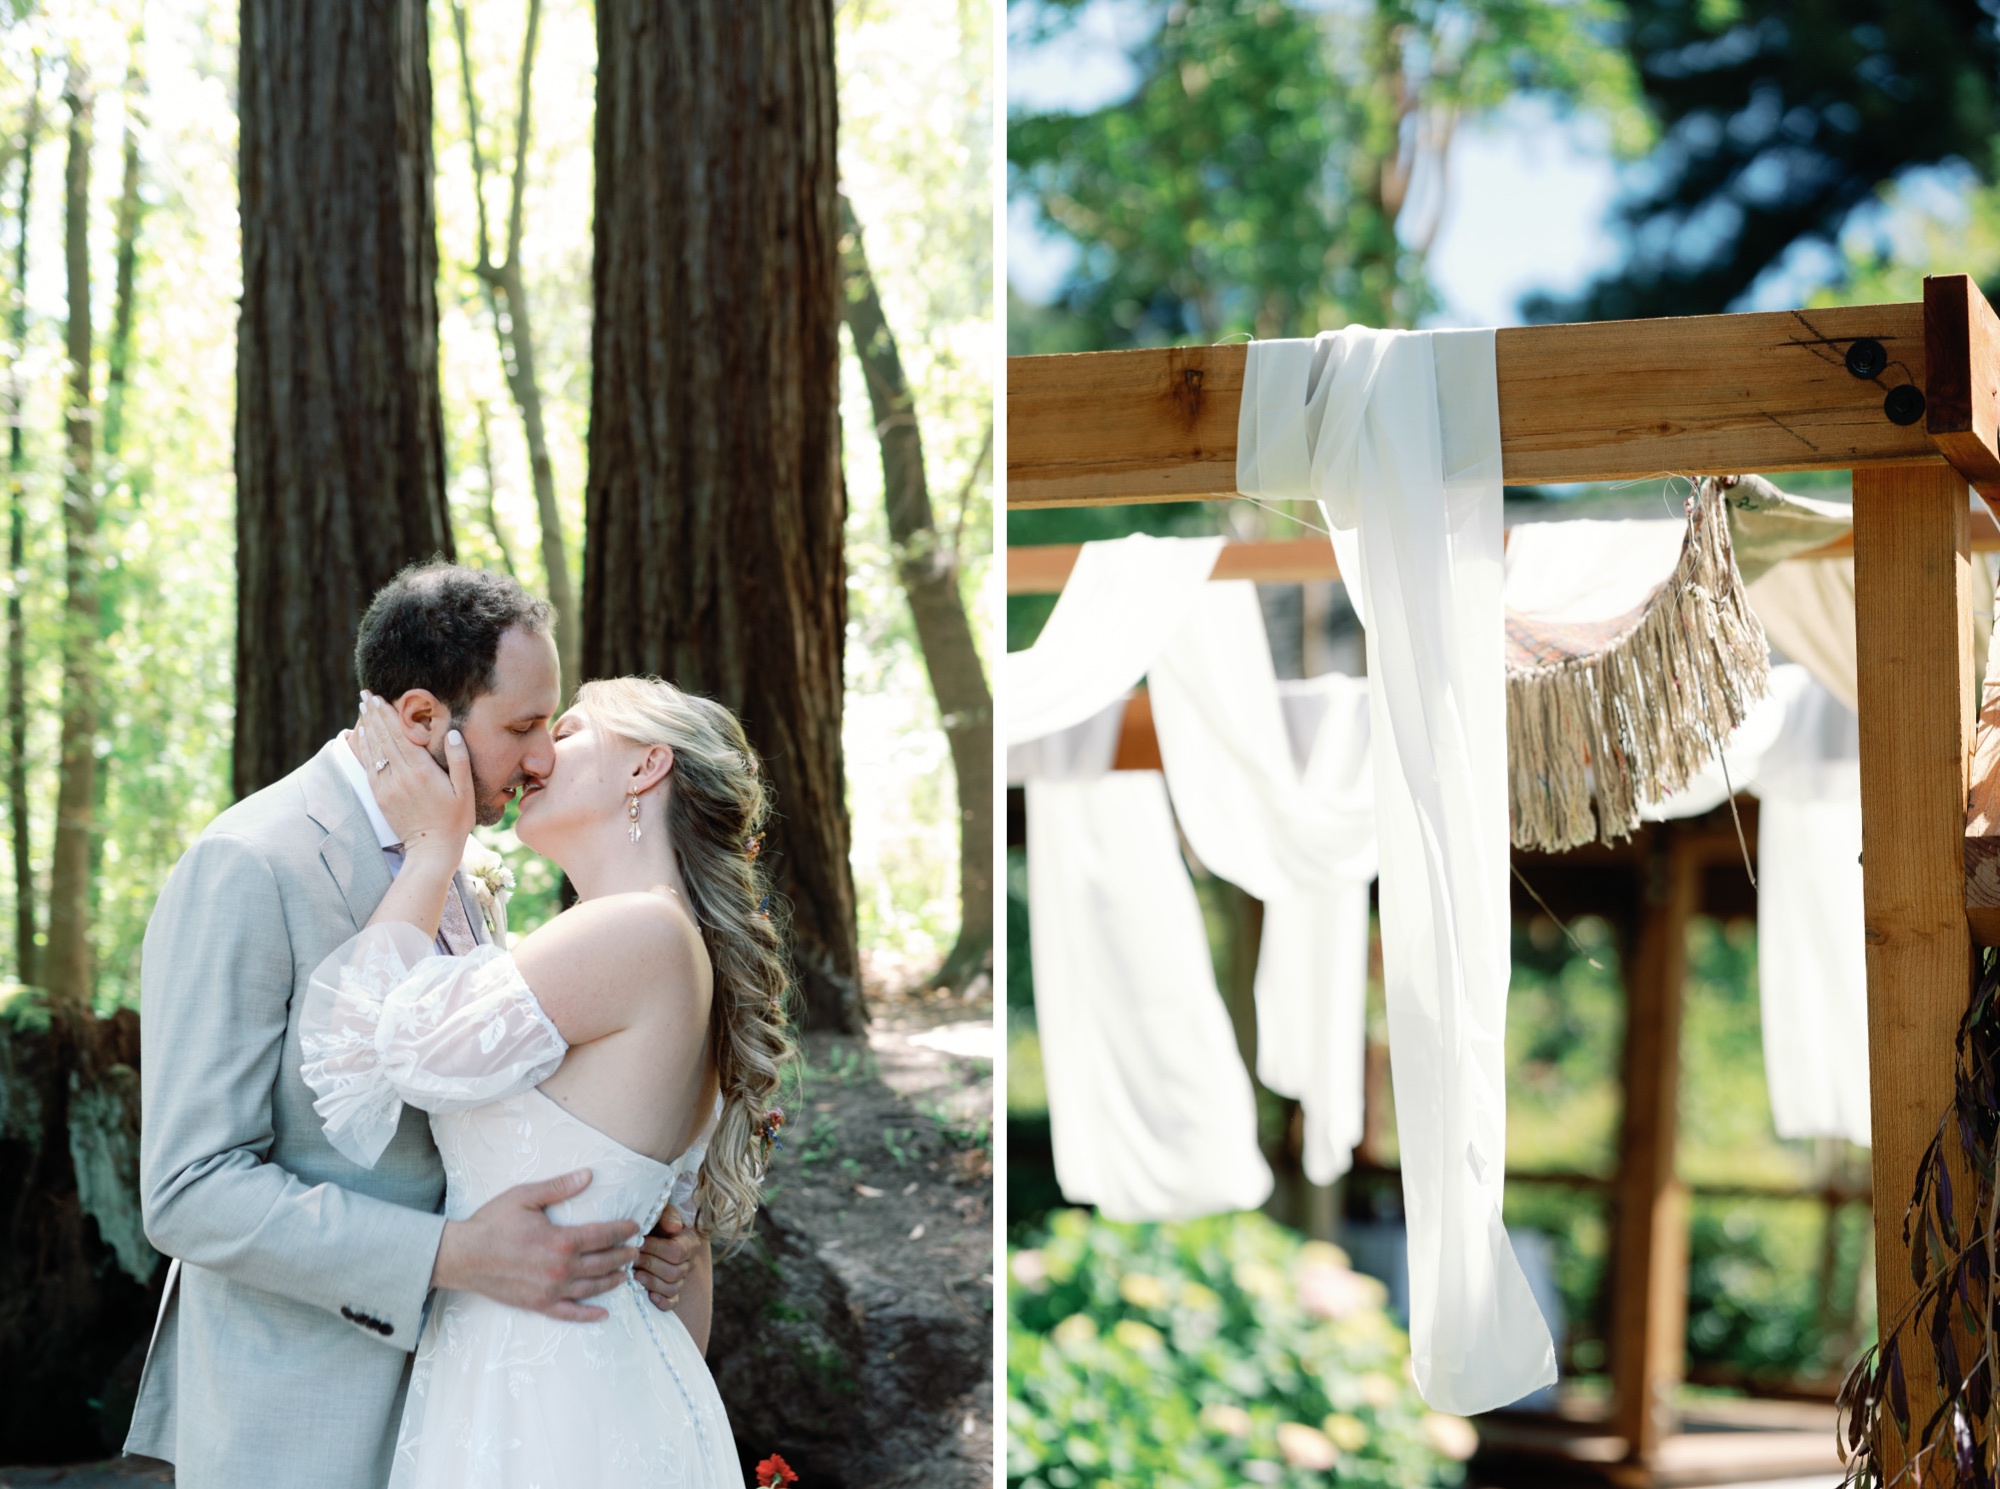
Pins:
x: 388, y: 1021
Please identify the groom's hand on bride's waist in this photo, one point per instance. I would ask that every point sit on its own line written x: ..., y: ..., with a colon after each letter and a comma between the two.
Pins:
x: 510, y: 1251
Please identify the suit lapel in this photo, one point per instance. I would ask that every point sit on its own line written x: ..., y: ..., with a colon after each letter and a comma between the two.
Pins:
x: 350, y: 851
x: 474, y: 915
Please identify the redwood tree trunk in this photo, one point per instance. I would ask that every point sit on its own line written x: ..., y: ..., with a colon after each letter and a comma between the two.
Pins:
x: 927, y: 564
x: 712, y: 551
x: 339, y: 430
x: 26, y: 961
x: 68, y: 972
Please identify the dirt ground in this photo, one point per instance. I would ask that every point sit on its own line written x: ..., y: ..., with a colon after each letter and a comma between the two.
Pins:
x: 889, y: 1168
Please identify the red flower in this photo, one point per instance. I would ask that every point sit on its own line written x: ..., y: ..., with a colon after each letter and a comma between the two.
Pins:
x: 775, y: 1473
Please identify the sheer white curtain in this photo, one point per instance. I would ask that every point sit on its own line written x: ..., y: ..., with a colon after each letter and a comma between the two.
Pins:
x: 1811, y: 954
x: 1151, y: 1112
x: 1302, y: 842
x: 1397, y: 434
x: 1123, y: 600
x: 1150, y: 1108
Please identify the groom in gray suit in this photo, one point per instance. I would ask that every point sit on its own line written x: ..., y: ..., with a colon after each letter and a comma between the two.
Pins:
x: 299, y: 1280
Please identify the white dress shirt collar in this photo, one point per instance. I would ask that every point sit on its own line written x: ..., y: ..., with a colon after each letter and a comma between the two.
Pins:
x: 357, y: 777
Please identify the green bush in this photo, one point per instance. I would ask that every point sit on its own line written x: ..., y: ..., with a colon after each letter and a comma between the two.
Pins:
x: 1210, y: 1355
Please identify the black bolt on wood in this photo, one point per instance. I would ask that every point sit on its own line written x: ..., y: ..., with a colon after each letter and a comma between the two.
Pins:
x: 1866, y: 359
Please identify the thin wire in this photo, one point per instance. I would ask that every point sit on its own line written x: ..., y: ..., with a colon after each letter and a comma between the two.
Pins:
x: 1571, y: 935
x: 1741, y: 841
x: 1315, y: 527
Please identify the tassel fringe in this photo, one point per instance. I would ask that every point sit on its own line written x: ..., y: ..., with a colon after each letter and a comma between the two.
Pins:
x: 1592, y: 737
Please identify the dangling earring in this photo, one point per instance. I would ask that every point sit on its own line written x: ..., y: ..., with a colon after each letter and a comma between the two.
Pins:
x: 632, y: 814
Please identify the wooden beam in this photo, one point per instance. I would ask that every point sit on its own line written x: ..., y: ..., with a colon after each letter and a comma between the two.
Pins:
x: 1045, y: 569
x: 1962, y: 379
x: 1138, y: 745
x: 1913, y: 632
x: 1614, y: 400
x: 1650, y: 1235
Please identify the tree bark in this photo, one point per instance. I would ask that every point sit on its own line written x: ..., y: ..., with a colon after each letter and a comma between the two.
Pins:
x: 26, y: 958
x: 68, y: 972
x: 507, y: 304
x: 339, y: 428
x: 492, y: 490
x: 927, y: 564
x: 118, y: 354
x: 713, y: 512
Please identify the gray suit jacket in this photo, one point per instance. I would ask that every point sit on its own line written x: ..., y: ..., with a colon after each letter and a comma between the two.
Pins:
x: 299, y: 1280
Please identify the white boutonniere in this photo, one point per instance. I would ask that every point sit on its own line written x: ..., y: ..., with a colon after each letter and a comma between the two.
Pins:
x: 492, y: 885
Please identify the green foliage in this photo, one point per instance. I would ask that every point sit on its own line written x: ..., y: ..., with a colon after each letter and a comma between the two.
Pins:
x: 916, y: 124
x: 1206, y: 1354
x: 1267, y: 174
x: 916, y: 112
x: 1779, y: 123
x: 1754, y: 1303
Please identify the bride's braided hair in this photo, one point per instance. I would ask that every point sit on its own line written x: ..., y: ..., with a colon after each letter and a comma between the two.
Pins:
x: 717, y: 803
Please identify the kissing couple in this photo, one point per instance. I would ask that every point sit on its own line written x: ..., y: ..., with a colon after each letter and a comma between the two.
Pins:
x: 439, y: 1210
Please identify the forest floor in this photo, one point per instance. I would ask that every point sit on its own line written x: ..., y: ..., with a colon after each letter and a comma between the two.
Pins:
x: 889, y: 1166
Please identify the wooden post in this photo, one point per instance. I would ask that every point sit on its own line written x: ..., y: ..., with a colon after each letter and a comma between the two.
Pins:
x: 1913, y: 624
x: 1649, y: 1272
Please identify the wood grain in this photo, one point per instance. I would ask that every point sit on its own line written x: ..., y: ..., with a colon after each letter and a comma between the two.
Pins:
x: 1044, y: 568
x: 1913, y: 625
x: 1650, y: 1239
x: 1962, y: 378
x: 1615, y: 400
x: 1138, y: 745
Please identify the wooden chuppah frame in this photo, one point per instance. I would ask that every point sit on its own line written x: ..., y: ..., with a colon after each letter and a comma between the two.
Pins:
x: 1905, y: 396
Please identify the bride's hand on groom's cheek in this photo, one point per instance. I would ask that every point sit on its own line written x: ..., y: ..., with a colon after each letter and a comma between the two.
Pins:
x: 429, y: 808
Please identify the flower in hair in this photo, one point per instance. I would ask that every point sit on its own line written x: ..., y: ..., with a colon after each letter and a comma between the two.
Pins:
x: 764, y: 907
x: 773, y: 1120
x: 753, y: 845
x: 775, y: 1473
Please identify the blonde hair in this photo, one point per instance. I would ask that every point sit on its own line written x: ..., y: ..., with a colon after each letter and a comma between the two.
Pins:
x: 717, y: 802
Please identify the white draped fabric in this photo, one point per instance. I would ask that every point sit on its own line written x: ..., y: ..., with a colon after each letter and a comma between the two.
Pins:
x: 1150, y: 1109
x: 1397, y: 434
x: 1082, y: 752
x: 1811, y: 969
x: 1312, y: 964
x: 1807, y: 607
x: 1122, y: 601
x: 1798, y: 752
x: 1588, y: 570
x: 1302, y: 842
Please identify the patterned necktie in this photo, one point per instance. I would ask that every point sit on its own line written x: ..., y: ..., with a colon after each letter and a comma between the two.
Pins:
x: 454, y: 935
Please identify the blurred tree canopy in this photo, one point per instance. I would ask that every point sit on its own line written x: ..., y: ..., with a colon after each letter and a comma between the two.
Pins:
x: 1778, y: 119
x: 1278, y: 169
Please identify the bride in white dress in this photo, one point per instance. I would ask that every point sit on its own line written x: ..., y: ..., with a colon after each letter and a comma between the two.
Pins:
x: 639, y: 1035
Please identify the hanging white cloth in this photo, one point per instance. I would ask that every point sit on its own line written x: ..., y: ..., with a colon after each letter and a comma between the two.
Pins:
x: 1150, y: 1109
x: 1121, y: 604
x: 1397, y: 434
x: 1588, y: 570
x: 1312, y: 963
x: 1302, y: 842
x: 1082, y: 752
x: 1807, y: 607
x: 1811, y: 972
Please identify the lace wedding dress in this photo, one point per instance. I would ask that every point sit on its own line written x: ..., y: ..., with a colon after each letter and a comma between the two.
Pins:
x: 500, y: 1396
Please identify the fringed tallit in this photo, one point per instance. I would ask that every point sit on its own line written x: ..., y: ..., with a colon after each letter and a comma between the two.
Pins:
x: 1605, y: 716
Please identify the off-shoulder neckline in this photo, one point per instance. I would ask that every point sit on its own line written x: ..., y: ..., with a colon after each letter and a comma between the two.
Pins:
x: 672, y: 1166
